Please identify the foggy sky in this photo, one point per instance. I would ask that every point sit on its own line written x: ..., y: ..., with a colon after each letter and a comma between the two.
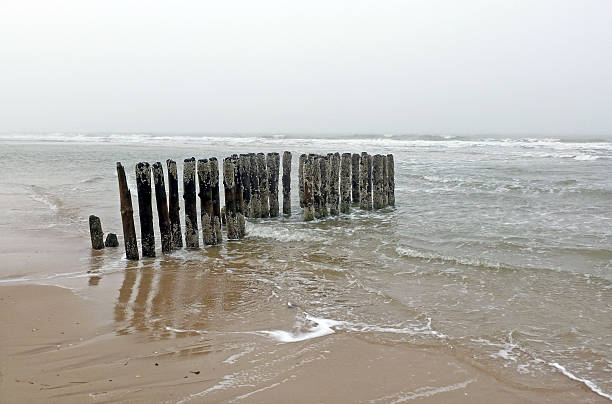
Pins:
x: 440, y: 67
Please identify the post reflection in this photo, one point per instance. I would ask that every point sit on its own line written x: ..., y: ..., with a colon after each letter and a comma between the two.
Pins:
x: 169, y: 298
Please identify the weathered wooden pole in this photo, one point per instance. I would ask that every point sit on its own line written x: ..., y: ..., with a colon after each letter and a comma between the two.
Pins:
x: 262, y: 173
x: 316, y: 186
x: 334, y: 188
x: 238, y: 198
x: 216, y: 199
x: 127, y: 216
x: 145, y: 211
x: 206, y: 203
x: 162, y: 207
x: 345, y: 183
x: 308, y: 178
x: 390, y: 180
x: 244, y: 168
x: 272, y: 167
x: 355, y: 177
x: 286, y: 183
x: 173, y: 205
x: 96, y: 233
x: 191, y: 209
x: 385, y: 182
x: 377, y: 181
x: 369, y: 182
x: 301, y: 174
x: 255, y: 210
x: 229, y: 183
x: 365, y: 182
x: 324, y: 164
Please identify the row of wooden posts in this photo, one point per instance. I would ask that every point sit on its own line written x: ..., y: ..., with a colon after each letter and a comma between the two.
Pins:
x: 327, y: 186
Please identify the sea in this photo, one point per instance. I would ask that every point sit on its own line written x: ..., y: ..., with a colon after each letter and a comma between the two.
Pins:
x: 498, y: 249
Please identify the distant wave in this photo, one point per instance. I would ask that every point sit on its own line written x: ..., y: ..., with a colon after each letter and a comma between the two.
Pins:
x: 375, y: 139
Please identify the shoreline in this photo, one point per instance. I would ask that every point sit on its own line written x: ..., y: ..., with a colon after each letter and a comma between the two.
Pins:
x: 52, y: 355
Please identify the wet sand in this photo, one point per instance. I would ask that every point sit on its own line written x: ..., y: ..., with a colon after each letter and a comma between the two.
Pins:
x: 56, y: 348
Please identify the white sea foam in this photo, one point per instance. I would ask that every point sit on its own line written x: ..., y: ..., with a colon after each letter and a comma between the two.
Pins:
x: 586, y: 382
x: 422, y: 392
x: 282, y: 233
x: 313, y: 328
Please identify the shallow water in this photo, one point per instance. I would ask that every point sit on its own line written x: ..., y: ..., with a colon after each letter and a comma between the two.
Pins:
x: 499, y: 250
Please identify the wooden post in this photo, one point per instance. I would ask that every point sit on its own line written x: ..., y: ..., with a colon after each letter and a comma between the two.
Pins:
x: 365, y: 182
x: 272, y: 167
x: 145, y: 211
x: 345, y: 183
x: 96, y: 233
x: 308, y: 179
x: 316, y: 186
x: 206, y: 202
x: 377, y: 181
x: 385, y: 182
x: 229, y: 183
x: 216, y: 199
x: 262, y: 173
x: 173, y: 205
x: 111, y: 240
x: 369, y: 197
x: 191, y: 209
x: 334, y: 188
x: 162, y: 207
x: 238, y: 198
x: 301, y: 174
x: 355, y: 177
x: 127, y: 216
x: 255, y: 186
x: 324, y: 164
x: 390, y: 180
x: 244, y: 170
x: 287, y: 183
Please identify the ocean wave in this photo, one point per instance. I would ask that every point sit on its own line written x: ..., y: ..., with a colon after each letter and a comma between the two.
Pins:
x: 430, y: 256
x: 375, y: 140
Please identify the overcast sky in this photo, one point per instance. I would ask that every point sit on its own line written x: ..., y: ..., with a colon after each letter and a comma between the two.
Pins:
x: 442, y: 67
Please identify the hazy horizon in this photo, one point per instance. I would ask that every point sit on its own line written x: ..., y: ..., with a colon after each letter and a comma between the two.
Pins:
x: 473, y: 68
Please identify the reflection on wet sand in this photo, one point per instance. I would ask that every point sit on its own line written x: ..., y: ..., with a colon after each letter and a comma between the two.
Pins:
x: 163, y: 296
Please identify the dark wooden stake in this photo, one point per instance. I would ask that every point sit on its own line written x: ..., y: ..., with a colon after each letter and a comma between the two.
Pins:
x: 216, y: 199
x: 324, y: 163
x: 301, y: 163
x: 287, y: 183
x: 96, y: 233
x: 308, y: 178
x: 191, y: 210
x: 206, y: 203
x: 390, y: 180
x: 229, y: 183
x: 355, y: 177
x: 377, y: 181
x: 345, y: 183
x: 364, y: 176
x: 111, y: 240
x: 127, y: 216
x: 145, y: 211
x: 317, y: 197
x: 334, y: 188
x: 244, y: 171
x: 162, y: 207
x: 272, y: 167
x: 173, y: 205
x: 385, y: 181
x: 255, y: 210
x: 262, y: 173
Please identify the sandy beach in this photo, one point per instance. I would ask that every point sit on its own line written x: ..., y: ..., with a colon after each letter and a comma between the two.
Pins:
x: 63, y: 348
